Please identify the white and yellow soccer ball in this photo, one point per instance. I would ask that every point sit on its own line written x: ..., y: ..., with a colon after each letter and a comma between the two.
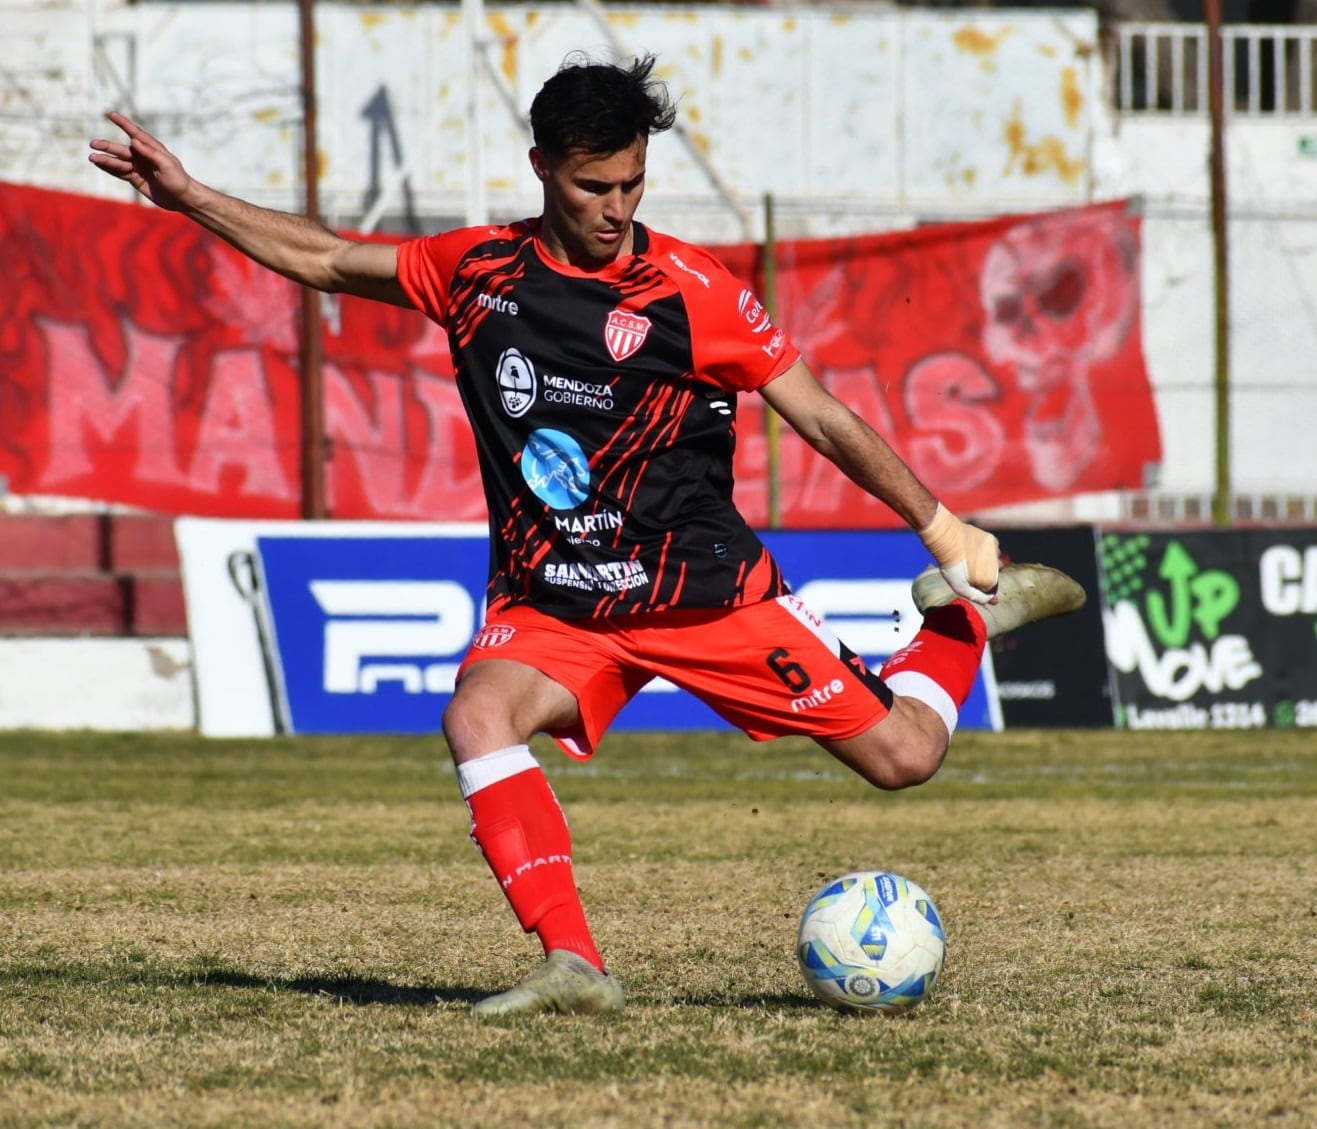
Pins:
x: 871, y: 941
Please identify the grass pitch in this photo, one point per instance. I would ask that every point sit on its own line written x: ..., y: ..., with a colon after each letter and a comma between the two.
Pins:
x: 290, y: 932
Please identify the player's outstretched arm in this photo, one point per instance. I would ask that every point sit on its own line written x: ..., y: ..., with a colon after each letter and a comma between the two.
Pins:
x: 296, y: 247
x: 968, y: 556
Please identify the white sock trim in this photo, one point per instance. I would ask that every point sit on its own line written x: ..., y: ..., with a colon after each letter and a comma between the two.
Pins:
x: 489, y: 769
x: 913, y: 684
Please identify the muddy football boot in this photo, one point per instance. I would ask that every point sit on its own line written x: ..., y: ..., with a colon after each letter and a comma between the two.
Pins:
x: 1026, y: 593
x: 565, y: 982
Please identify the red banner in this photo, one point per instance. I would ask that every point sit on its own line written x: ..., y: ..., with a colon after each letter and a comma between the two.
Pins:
x: 1003, y: 360
x: 145, y: 362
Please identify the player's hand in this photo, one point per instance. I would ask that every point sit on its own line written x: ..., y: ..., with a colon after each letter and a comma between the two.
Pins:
x: 143, y: 162
x: 968, y: 557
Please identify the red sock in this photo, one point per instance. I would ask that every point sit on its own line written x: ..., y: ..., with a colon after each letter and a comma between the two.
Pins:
x: 939, y: 666
x: 520, y: 828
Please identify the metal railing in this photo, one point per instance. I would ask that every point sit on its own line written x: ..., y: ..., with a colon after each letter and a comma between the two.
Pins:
x: 1268, y: 70
x: 1168, y: 508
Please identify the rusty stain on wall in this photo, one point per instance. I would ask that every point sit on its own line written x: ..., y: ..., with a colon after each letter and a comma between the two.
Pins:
x: 1072, y: 97
x: 507, y: 42
x: 1034, y: 158
x: 973, y: 41
x: 957, y: 176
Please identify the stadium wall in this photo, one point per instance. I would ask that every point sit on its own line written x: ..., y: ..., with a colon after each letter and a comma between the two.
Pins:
x: 421, y: 126
x: 114, y: 685
x: 93, y: 627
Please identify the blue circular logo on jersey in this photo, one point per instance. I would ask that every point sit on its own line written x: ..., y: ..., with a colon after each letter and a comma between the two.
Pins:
x: 555, y: 467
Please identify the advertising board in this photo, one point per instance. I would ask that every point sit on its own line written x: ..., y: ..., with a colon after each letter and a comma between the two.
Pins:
x: 359, y: 627
x: 1213, y: 629
x: 1054, y: 675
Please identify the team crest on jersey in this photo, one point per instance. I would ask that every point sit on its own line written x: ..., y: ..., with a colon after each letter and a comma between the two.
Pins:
x: 494, y: 635
x: 624, y: 333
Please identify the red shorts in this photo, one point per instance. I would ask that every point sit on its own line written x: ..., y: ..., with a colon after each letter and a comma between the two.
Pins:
x: 771, y: 669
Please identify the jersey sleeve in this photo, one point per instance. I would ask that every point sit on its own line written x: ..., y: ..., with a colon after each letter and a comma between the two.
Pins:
x: 734, y: 343
x: 426, y: 267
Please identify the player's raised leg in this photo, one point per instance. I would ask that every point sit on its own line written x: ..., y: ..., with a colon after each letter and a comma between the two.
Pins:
x: 932, y: 677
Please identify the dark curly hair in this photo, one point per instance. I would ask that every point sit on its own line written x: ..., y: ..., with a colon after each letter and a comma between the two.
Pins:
x: 599, y: 108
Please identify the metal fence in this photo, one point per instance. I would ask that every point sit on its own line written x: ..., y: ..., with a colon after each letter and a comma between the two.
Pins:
x: 1268, y: 70
x: 1170, y: 509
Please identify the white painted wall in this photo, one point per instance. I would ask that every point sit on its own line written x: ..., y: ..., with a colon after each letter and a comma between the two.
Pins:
x: 853, y: 119
x: 102, y: 684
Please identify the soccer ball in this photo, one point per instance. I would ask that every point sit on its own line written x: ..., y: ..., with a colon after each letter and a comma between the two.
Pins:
x: 871, y: 942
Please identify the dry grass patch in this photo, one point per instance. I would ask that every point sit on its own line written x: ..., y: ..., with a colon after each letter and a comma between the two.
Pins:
x: 291, y: 933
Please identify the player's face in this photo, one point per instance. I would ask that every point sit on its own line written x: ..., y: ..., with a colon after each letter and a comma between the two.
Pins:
x: 589, y: 201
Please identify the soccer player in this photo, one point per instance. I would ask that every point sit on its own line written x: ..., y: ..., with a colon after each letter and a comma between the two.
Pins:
x: 599, y: 362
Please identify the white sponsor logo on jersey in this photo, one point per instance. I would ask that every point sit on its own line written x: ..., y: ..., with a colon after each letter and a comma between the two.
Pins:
x: 689, y: 270
x: 608, y: 576
x: 516, y: 383
x: 578, y: 393
x: 498, y: 304
x: 752, y: 309
x: 819, y: 696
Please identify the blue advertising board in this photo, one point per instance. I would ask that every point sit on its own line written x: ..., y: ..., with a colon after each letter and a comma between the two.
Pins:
x: 365, y: 634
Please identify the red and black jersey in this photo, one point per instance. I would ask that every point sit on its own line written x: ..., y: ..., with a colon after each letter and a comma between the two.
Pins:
x: 604, y: 412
